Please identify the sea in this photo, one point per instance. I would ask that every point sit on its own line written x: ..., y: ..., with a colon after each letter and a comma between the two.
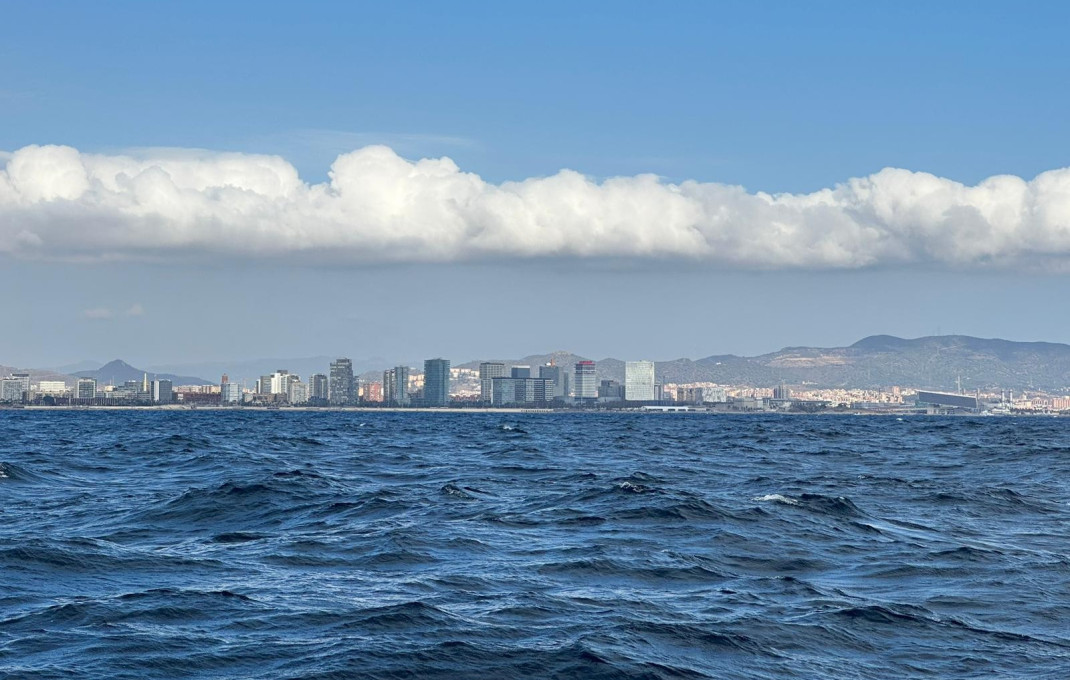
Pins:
x: 319, y: 544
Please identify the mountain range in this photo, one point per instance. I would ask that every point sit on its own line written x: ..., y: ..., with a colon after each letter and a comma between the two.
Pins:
x: 935, y: 362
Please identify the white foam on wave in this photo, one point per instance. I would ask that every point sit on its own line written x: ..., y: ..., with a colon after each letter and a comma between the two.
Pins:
x: 777, y: 498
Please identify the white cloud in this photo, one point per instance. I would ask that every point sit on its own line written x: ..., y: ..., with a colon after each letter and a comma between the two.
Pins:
x: 106, y: 313
x: 56, y: 202
x: 98, y: 313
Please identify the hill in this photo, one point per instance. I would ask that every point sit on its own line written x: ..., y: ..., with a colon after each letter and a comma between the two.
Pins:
x: 248, y: 370
x: 117, y: 372
x: 37, y: 374
x: 935, y: 362
x: 560, y: 357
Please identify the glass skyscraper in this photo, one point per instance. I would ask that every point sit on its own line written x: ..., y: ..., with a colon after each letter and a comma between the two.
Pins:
x: 639, y: 381
x: 586, y: 382
x: 437, y: 382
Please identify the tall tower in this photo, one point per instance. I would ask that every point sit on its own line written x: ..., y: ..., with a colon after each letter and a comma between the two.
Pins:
x: 559, y: 379
x: 639, y: 381
x: 586, y: 382
x: 400, y: 377
x: 437, y: 382
x: 341, y: 382
x: 318, y: 388
x: 488, y: 371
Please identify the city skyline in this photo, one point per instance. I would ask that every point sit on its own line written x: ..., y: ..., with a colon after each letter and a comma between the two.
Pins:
x: 955, y: 356
x: 806, y: 379
x: 489, y: 387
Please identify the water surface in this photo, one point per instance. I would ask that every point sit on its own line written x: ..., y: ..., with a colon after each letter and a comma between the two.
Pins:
x: 145, y: 544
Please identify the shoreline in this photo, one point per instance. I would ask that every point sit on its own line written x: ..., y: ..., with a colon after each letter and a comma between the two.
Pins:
x: 182, y: 408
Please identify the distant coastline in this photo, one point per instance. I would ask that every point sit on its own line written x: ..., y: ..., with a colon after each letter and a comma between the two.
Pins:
x: 178, y: 408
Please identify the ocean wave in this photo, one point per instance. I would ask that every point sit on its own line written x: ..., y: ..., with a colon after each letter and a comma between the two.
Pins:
x: 300, y: 545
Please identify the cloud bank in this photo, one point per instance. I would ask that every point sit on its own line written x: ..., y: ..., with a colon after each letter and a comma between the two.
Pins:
x: 58, y: 203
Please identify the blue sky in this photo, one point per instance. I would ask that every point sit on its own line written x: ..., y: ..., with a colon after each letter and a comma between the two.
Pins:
x: 775, y: 97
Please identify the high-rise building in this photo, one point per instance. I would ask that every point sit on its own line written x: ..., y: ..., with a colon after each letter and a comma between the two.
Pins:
x: 318, y: 388
x: 297, y: 391
x: 388, y: 386
x: 714, y: 395
x: 396, y: 386
x: 503, y: 391
x: 520, y: 372
x: 781, y: 392
x: 488, y: 370
x: 130, y: 391
x: 639, y: 381
x: 14, y: 387
x: 559, y: 378
x: 263, y: 385
x: 161, y: 391
x: 341, y: 382
x: 512, y: 391
x: 610, y: 390
x: 24, y: 380
x: 537, y: 391
x: 586, y: 380
x: 280, y: 381
x: 373, y: 392
x: 11, y: 390
x: 86, y: 389
x: 230, y: 393
x: 437, y: 382
x: 52, y: 387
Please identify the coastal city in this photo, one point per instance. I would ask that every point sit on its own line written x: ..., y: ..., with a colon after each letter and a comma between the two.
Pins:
x: 502, y: 385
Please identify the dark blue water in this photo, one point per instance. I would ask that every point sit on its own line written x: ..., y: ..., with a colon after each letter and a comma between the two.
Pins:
x: 413, y: 545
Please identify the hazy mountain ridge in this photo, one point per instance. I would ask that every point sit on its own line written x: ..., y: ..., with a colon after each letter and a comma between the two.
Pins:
x: 117, y: 372
x: 248, y: 370
x: 881, y: 360
x: 935, y: 361
x: 39, y: 374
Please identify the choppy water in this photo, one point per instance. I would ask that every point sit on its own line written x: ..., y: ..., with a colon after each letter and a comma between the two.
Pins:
x: 277, y: 545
